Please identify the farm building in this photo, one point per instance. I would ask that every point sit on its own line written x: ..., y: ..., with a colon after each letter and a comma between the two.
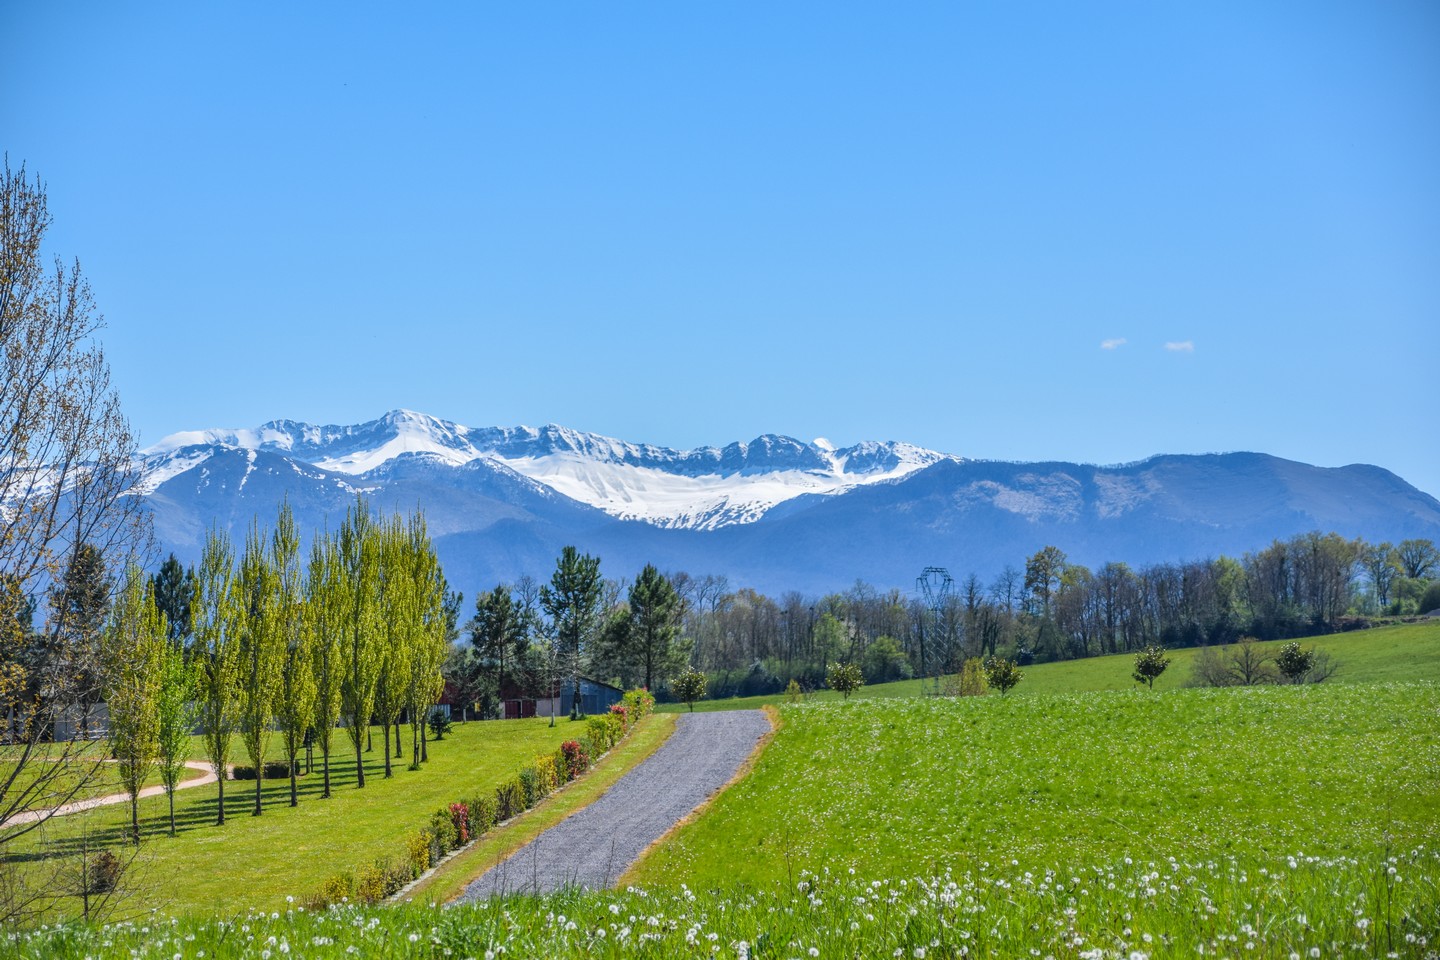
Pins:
x: 595, y: 697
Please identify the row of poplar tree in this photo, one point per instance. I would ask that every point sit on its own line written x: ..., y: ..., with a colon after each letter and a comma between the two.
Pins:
x: 281, y: 646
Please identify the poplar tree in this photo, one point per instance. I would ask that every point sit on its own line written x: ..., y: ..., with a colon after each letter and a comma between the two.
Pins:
x: 324, y: 613
x: 261, y: 653
x: 428, y: 630
x: 216, y: 655
x: 357, y: 594
x: 132, y: 650
x: 295, y: 705
x: 393, y: 678
x: 174, y: 709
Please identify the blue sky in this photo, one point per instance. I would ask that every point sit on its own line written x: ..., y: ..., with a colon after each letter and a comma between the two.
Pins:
x: 689, y: 224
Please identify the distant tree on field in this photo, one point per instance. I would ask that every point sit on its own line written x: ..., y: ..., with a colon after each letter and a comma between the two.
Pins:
x: 132, y: 652
x: 1002, y: 674
x: 174, y: 594
x: 572, y: 601
x: 689, y: 687
x: 1149, y: 664
x: 844, y: 678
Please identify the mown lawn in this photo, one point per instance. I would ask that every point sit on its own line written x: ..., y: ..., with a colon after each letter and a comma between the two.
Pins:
x: 1404, y: 652
x: 260, y: 861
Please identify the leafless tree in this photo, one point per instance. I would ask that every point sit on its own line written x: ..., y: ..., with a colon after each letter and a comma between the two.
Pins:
x: 66, y: 464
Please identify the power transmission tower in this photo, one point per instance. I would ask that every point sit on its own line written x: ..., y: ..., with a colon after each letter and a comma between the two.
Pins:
x: 936, y: 586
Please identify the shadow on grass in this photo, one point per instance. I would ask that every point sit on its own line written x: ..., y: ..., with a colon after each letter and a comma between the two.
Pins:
x: 196, y: 813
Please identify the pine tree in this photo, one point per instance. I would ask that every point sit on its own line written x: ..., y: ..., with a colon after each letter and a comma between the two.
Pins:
x: 174, y: 594
x: 216, y: 655
x: 295, y: 705
x: 654, y: 625
x: 497, y: 634
x: 79, y: 605
x: 572, y: 601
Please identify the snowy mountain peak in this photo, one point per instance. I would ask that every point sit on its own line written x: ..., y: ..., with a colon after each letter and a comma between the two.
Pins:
x: 703, y: 488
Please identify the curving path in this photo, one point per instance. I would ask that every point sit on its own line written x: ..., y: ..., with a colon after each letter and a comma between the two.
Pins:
x: 594, y: 846
x: 31, y: 816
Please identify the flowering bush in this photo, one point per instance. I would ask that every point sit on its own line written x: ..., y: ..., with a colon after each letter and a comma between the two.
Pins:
x: 577, y: 758
x: 641, y: 703
x: 460, y: 816
x: 623, y: 712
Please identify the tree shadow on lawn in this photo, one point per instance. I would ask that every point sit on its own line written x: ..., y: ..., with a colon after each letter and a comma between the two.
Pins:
x: 194, y: 813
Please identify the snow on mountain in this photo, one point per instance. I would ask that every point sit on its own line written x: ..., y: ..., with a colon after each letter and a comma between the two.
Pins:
x: 702, y: 489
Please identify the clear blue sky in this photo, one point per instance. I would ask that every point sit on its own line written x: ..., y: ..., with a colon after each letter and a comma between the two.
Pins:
x: 693, y: 223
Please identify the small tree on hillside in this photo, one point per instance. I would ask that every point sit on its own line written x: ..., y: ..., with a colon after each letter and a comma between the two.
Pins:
x: 1293, y: 662
x: 844, y: 678
x: 689, y: 687
x: 1149, y: 664
x: 1002, y: 674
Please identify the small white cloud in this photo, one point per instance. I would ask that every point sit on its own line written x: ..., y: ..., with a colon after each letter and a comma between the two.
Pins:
x: 1112, y: 343
x: 1181, y: 346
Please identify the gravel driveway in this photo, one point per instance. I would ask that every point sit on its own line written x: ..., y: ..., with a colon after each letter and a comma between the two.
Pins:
x: 597, y: 844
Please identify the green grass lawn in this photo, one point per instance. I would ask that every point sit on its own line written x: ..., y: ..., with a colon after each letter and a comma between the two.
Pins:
x: 900, y: 787
x: 259, y: 861
x: 1404, y: 652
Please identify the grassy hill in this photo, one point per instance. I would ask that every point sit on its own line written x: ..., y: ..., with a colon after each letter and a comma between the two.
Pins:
x: 1404, y: 652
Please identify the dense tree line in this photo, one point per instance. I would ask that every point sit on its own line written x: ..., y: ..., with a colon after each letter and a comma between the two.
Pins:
x: 1049, y: 608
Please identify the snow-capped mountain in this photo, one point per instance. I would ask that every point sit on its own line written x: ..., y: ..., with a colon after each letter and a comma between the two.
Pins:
x: 775, y: 514
x: 702, y: 489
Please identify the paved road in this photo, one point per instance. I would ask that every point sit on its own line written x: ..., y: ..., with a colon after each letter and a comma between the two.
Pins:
x: 592, y: 848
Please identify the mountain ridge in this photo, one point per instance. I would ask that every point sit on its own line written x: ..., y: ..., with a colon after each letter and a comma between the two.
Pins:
x: 765, y: 523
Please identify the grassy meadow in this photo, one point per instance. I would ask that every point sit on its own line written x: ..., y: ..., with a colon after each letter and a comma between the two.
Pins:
x: 1404, y: 652
x: 1082, y: 816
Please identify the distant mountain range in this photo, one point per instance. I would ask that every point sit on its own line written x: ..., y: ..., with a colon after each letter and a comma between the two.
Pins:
x: 775, y: 513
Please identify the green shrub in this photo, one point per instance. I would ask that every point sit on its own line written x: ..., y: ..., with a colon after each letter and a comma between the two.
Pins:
x: 844, y: 678
x: 418, y: 850
x: 370, y: 883
x: 689, y: 687
x: 548, y: 774
x: 397, y: 874
x: 509, y: 800
x: 641, y: 703
x: 598, y: 730
x: 482, y: 814
x: 336, y: 888
x: 529, y: 787
x: 442, y: 828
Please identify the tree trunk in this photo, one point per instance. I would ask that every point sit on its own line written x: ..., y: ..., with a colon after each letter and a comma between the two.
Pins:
x: 135, y: 816
x: 398, y: 752
x: 385, y: 735
x: 259, y: 782
x: 220, y: 781
x: 424, y: 745
x: 171, y: 794
x: 294, y: 793
x: 369, y: 740
x: 359, y: 764
x: 325, y: 794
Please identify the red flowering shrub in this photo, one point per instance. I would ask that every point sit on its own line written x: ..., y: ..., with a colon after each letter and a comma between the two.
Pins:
x: 623, y: 712
x: 577, y: 761
x: 460, y: 814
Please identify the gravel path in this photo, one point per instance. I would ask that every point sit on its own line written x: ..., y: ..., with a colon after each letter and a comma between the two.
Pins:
x: 592, y: 848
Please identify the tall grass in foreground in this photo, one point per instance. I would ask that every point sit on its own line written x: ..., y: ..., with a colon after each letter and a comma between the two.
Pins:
x: 1298, y: 906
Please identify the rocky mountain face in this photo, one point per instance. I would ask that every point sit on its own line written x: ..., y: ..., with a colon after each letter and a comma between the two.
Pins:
x: 775, y: 513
